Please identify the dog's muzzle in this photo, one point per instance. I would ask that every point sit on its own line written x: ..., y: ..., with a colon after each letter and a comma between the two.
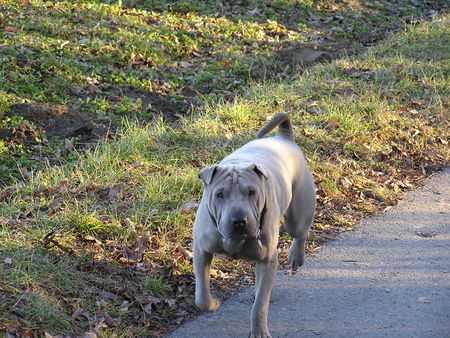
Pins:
x: 239, y: 228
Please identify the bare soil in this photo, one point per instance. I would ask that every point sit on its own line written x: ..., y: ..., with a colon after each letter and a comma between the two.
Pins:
x: 156, y: 104
x: 50, y: 120
x: 53, y: 120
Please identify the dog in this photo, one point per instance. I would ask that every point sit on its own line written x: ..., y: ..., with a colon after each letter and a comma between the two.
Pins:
x: 244, y: 198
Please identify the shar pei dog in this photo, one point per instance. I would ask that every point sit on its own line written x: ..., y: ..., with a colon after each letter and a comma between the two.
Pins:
x: 244, y: 198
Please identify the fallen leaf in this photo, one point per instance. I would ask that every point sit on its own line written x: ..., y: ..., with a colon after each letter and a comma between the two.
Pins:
x: 185, y: 64
x: 135, y: 63
x: 142, y: 267
x: 135, y: 253
x: 26, y: 174
x: 187, y: 254
x: 83, y: 42
x: 330, y: 36
x: 92, y: 80
x: 77, y: 19
x: 89, y: 335
x: 68, y: 143
x: 147, y: 299
x: 132, y: 3
x: 353, y: 70
x: 51, y: 335
x: 443, y: 141
x: 92, y: 187
x: 100, y: 325
x: 410, y: 19
x: 314, y: 19
x: 331, y: 125
x: 345, y: 182
x: 93, y: 89
x: 312, y: 110
x: 367, y: 39
x: 125, y: 305
x: 107, y: 294
x: 76, y: 314
x: 54, y: 207
x: 7, y: 221
x: 142, y: 243
x: 255, y: 11
x: 10, y: 29
x: 171, y: 302
x: 101, y: 303
x: 137, y: 164
x: 116, y: 192
x: 130, y: 226
x: 148, y: 308
x: 110, y: 321
x: 189, y: 206
x: 14, y: 332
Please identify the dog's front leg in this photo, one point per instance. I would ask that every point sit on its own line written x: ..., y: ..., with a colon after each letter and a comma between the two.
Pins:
x: 202, y: 266
x: 265, y: 275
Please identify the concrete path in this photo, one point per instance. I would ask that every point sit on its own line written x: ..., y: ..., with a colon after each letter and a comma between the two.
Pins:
x: 390, y: 277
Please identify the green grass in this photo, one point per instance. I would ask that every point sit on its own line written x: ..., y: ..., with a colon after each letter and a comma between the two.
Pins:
x: 46, y: 313
x: 211, y: 48
x: 379, y: 121
x: 157, y: 286
x: 55, y: 51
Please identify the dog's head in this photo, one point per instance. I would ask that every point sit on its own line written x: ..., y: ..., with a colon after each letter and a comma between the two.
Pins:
x: 236, y: 198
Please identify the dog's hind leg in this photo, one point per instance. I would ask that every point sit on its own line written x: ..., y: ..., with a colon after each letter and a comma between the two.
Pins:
x: 298, y: 220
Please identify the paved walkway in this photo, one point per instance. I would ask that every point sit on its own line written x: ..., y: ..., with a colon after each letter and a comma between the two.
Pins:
x: 390, y: 277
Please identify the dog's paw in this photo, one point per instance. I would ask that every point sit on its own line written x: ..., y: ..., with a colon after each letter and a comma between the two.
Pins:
x: 296, y: 256
x: 260, y: 334
x: 211, y: 304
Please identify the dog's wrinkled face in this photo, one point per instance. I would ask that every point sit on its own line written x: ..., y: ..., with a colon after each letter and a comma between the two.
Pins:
x: 236, y: 198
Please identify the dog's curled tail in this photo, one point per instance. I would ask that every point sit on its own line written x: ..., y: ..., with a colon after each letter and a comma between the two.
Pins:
x: 284, y: 124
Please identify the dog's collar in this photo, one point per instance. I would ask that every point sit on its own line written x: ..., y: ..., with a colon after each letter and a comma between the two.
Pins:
x: 261, y: 221
x: 212, y: 218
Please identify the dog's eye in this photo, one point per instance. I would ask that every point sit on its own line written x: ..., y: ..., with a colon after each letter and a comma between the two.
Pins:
x: 220, y: 194
x: 251, y: 192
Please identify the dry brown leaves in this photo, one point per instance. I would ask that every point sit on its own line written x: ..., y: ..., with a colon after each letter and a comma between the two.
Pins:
x: 134, y: 253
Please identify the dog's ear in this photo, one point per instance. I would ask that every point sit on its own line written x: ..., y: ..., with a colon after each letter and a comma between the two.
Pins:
x: 260, y: 171
x: 207, y: 174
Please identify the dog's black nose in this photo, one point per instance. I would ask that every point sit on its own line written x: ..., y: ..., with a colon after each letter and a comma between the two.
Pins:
x: 239, y: 220
x: 239, y: 223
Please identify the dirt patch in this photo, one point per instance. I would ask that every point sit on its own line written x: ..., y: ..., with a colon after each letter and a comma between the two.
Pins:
x: 53, y: 120
x: 302, y: 56
x: 156, y: 103
x: 169, y: 107
x: 294, y: 58
x: 23, y: 135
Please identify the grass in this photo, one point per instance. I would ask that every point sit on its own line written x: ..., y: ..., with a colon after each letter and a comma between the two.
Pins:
x: 90, y: 243
x: 141, y: 59
x: 157, y: 286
